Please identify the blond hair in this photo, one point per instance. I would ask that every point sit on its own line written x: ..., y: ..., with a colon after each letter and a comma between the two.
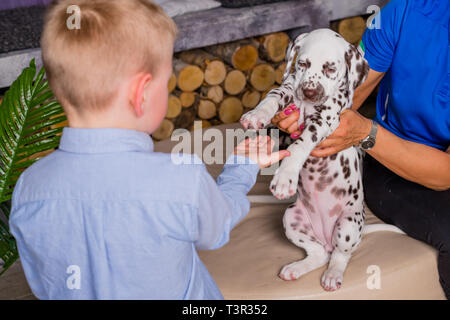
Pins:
x: 116, y: 38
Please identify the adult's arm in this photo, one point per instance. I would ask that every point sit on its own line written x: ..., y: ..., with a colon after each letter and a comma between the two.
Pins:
x: 413, y: 161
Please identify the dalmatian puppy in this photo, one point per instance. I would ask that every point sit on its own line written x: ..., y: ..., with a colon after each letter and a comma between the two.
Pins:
x: 327, y: 219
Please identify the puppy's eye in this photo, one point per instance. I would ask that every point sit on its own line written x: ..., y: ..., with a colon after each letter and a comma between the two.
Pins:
x: 330, y: 70
x: 302, y: 64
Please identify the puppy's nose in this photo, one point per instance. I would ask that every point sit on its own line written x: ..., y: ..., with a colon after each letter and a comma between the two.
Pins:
x: 309, y: 93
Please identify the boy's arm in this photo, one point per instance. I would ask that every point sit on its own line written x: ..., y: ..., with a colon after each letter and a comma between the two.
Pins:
x: 222, y: 204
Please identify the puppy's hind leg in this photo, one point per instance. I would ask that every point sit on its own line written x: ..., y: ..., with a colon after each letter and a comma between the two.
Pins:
x: 299, y: 231
x: 346, y: 238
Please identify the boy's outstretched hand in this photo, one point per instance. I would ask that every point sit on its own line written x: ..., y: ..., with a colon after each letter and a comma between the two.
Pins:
x: 259, y: 150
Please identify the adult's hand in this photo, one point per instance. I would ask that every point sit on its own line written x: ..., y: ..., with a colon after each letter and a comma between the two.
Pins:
x: 287, y: 121
x: 352, y: 129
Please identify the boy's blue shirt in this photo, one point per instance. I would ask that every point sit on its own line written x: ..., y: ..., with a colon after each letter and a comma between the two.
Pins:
x: 125, y: 221
x: 412, y: 46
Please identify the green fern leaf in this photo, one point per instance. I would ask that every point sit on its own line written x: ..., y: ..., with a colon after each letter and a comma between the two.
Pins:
x: 29, y: 119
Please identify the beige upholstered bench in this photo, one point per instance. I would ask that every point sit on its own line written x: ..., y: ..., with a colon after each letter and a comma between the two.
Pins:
x: 248, y: 266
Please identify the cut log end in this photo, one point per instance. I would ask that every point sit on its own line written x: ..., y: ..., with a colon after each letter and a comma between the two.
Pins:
x: 189, y: 77
x: 245, y: 57
x: 351, y: 29
x: 274, y: 46
x: 262, y: 77
x: 251, y: 98
x: 235, y: 82
x: 172, y: 83
x: 206, y: 109
x: 188, y: 99
x: 279, y: 71
x: 164, y: 131
x: 173, y: 107
x: 230, y: 110
x: 215, y: 93
x: 215, y: 72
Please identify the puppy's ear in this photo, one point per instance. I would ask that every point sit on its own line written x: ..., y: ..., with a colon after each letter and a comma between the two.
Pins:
x: 291, y: 54
x: 357, y: 68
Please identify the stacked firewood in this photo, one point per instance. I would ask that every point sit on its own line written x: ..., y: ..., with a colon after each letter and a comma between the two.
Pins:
x: 218, y: 84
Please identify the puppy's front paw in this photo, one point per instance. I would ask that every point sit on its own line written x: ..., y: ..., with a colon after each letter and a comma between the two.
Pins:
x: 284, y: 183
x: 256, y: 119
x: 332, y: 279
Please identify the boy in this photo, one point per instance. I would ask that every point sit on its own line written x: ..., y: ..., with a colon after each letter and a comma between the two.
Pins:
x: 105, y: 217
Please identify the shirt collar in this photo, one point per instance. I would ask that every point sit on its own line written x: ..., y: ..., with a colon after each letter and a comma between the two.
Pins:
x: 104, y: 140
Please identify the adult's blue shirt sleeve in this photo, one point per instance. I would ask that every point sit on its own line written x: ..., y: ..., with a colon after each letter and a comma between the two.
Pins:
x: 381, y: 40
x: 222, y: 204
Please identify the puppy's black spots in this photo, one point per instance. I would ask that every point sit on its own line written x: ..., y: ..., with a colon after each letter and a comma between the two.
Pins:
x: 335, y: 175
x: 338, y: 193
x: 339, y: 235
x: 314, y: 138
x: 347, y: 238
x: 355, y: 196
x: 333, y: 157
x: 348, y: 58
x: 350, y: 219
x: 362, y: 69
x: 311, y: 178
x: 308, y: 63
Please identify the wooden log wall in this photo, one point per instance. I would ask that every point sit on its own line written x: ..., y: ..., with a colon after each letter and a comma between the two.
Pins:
x: 218, y: 84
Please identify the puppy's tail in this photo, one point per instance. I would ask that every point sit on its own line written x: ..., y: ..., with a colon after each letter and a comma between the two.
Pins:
x: 369, y: 228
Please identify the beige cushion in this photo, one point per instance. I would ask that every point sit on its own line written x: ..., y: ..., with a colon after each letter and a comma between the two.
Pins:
x: 247, y: 267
